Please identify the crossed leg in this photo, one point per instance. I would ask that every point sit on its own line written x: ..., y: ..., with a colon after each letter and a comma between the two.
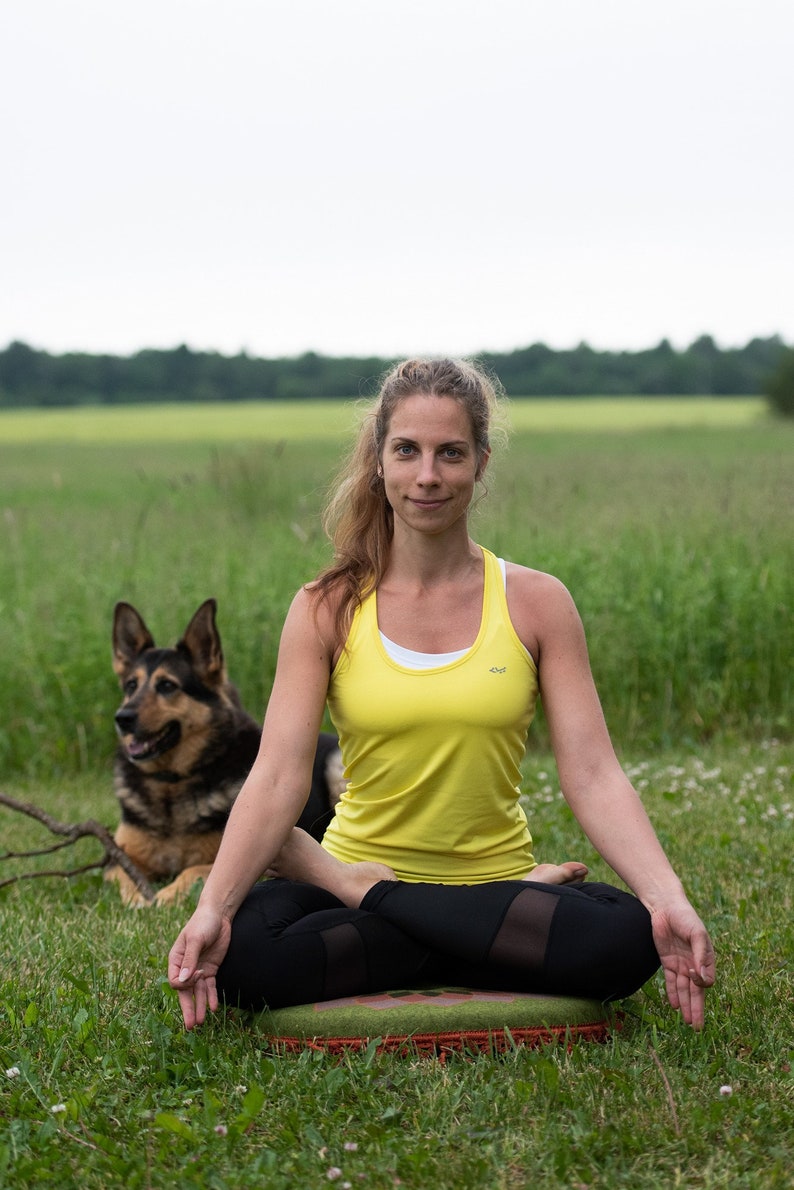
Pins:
x: 302, y: 858
x: 346, y: 929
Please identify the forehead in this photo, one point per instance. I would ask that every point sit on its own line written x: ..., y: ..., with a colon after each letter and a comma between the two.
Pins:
x: 426, y: 415
x: 153, y: 659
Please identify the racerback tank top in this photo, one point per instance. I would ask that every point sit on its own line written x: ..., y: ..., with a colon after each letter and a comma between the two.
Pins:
x: 433, y: 756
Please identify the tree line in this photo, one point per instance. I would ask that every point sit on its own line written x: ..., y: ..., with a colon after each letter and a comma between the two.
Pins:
x: 32, y: 377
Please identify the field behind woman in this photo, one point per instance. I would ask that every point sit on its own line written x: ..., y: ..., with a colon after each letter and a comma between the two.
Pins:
x: 671, y: 524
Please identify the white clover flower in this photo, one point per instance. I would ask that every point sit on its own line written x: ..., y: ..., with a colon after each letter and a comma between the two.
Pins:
x: 333, y: 1173
x: 221, y: 1130
x: 12, y: 1072
x: 350, y: 1146
x: 57, y: 1108
x: 726, y: 1091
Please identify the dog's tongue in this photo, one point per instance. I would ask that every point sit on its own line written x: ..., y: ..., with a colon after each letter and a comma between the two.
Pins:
x: 136, y: 748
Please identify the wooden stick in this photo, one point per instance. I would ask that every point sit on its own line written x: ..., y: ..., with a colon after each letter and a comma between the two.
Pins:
x: 73, y: 832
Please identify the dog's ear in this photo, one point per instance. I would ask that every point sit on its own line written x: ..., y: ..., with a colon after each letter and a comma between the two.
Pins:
x: 203, y: 642
x: 130, y: 637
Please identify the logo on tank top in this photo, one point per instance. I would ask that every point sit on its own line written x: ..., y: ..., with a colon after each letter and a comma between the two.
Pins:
x: 498, y: 669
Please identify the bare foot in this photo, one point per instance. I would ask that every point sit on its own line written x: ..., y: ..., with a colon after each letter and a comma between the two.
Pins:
x: 302, y: 858
x: 568, y: 873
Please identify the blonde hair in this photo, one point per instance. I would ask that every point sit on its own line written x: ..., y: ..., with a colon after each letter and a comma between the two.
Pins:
x: 358, y: 518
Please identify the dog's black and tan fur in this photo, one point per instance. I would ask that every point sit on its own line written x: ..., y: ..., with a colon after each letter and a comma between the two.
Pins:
x: 185, y: 747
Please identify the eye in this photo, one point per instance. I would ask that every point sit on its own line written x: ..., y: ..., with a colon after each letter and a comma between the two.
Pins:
x: 404, y: 450
x: 166, y: 686
x: 130, y: 687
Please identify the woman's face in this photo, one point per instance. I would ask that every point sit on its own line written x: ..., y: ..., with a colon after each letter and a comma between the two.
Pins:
x: 430, y: 463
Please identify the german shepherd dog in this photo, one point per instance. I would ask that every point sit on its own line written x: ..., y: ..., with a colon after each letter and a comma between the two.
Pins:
x: 185, y: 747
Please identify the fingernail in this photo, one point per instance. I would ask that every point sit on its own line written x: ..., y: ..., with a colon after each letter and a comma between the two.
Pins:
x: 183, y: 974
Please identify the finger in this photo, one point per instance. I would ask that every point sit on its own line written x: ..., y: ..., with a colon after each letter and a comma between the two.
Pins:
x: 705, y: 963
x: 212, y: 994
x: 697, y: 1006
x: 686, y: 993
x: 200, y: 1000
x: 193, y: 1002
x: 195, y: 999
x: 695, y: 995
x: 683, y: 989
x: 182, y: 962
x: 671, y: 987
x: 187, y: 1004
x: 176, y: 961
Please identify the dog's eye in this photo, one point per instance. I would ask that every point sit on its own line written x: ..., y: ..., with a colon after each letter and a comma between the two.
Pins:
x: 166, y: 686
x: 130, y: 687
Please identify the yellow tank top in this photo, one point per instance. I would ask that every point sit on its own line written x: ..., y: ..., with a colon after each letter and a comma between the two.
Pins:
x: 433, y: 756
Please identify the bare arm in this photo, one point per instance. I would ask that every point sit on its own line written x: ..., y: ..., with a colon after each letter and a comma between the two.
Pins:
x: 275, y: 791
x: 265, y: 811
x: 600, y: 794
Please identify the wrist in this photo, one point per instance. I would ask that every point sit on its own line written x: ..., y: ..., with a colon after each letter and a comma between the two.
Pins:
x: 214, y: 902
x: 658, y: 895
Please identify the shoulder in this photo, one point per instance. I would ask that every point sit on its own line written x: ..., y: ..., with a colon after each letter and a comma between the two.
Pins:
x: 315, y: 612
x: 541, y: 608
x: 527, y: 582
x: 546, y: 593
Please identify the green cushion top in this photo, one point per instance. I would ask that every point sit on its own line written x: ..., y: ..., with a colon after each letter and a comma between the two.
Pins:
x: 439, y: 1014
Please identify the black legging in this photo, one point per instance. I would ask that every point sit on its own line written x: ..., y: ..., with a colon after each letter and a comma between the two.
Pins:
x: 293, y: 943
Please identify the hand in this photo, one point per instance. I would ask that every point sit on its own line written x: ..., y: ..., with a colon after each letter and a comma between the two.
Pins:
x: 687, y: 958
x: 194, y: 961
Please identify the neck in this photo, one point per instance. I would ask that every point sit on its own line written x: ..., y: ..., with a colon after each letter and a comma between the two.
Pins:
x: 431, y: 560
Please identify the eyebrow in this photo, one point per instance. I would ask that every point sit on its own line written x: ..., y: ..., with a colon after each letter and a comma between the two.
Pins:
x: 440, y: 445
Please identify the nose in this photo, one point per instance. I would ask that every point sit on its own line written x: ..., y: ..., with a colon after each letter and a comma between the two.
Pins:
x: 428, y: 471
x: 125, y: 720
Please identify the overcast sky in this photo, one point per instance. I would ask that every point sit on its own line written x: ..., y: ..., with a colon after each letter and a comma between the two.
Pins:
x: 391, y: 176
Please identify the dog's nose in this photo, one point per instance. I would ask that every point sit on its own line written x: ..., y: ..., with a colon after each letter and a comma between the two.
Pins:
x: 126, y: 720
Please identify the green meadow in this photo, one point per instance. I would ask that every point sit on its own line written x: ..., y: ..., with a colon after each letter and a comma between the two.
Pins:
x: 671, y: 523
x: 299, y: 420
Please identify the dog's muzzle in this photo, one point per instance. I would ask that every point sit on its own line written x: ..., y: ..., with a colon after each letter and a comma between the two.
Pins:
x: 141, y: 746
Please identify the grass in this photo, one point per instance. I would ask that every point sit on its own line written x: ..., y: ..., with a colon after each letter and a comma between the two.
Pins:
x: 680, y: 534
x: 91, y: 1025
x: 179, y: 423
x: 676, y: 543
x: 291, y: 420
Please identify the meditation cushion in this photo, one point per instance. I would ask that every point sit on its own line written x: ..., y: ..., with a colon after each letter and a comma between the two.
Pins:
x: 437, y: 1021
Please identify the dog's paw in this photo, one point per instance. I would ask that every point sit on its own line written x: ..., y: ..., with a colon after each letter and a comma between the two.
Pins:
x: 130, y: 894
x: 178, y: 889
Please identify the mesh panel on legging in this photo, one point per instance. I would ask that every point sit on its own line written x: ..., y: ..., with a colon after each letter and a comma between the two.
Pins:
x: 294, y: 943
x: 586, y: 940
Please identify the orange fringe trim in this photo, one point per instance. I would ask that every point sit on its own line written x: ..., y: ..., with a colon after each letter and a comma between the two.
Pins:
x: 483, y: 1041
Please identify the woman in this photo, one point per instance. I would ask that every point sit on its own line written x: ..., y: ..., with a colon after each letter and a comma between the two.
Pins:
x: 430, y: 654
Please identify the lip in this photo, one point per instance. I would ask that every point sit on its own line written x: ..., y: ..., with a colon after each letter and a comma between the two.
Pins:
x: 428, y: 505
